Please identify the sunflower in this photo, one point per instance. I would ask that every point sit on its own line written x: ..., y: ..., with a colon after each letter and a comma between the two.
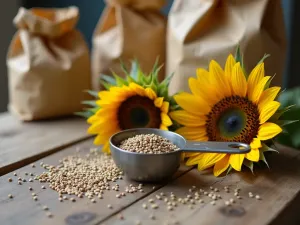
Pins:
x: 228, y: 105
x: 138, y: 101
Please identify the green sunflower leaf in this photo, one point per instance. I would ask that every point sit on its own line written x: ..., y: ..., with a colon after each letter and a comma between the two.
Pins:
x: 110, y: 80
x: 262, y: 158
x: 106, y: 85
x: 239, y: 58
x: 267, y: 85
x: 85, y: 114
x: 266, y: 148
x: 229, y: 170
x: 283, y: 123
x: 280, y: 112
x: 249, y: 164
x: 92, y: 93
x: 124, y: 68
x: 134, y: 69
x: 130, y: 79
x: 263, y: 58
x: 90, y: 103
x: 119, y: 80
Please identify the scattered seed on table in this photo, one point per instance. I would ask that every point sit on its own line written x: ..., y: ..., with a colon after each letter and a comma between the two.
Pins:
x: 30, y: 188
x: 15, y: 174
x: 205, y: 193
x: 257, y: 197
x: 109, y: 206
x: 118, y: 196
x: 227, y: 190
x: 227, y: 203
x: 32, y: 165
x: 153, y: 187
x: 43, y: 187
x: 60, y: 199
x: 33, y: 194
x: 158, y: 197
x: 30, y: 180
x: 216, y: 190
x: 65, y: 197
x: 231, y: 200
x: 10, y: 180
x: 93, y: 200
x: 201, y: 201
x: 211, y: 188
x: 236, y: 194
x: 10, y: 196
x: 24, y: 180
x: 19, y: 182
x: 191, y: 206
x: 145, y: 206
x: 151, y: 200
x: 238, y: 197
x: 170, y: 208
x: 31, y: 174
x: 120, y: 216
x: 213, y: 202
x: 72, y: 199
x: 152, y: 217
x: 26, y: 173
x: 49, y: 214
x: 154, y: 206
x: 45, y: 208
x: 100, y: 196
x: 35, y: 198
x: 162, y: 194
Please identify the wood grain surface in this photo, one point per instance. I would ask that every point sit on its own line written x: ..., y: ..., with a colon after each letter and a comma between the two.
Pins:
x: 278, y: 188
x: 22, y: 209
x: 22, y: 143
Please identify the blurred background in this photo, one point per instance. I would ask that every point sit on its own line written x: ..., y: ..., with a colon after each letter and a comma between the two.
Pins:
x: 90, y: 11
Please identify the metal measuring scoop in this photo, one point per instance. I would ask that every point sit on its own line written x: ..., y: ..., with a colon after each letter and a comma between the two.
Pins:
x: 146, y: 167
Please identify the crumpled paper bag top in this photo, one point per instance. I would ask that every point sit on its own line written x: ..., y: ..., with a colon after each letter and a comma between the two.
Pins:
x: 47, y: 22
x: 138, y: 4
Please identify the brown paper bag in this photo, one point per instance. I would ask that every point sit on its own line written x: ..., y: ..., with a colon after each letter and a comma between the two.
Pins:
x: 48, y: 64
x: 127, y: 30
x: 199, y: 31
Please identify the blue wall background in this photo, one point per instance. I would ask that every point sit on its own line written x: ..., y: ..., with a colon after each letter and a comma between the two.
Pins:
x: 90, y: 11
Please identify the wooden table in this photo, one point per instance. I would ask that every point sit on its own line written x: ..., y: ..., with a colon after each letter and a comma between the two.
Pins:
x: 24, y: 143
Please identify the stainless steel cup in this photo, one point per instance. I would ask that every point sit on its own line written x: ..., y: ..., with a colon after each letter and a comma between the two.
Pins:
x: 145, y: 167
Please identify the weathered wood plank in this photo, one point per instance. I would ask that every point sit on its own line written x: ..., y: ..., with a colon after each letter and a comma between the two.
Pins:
x: 278, y: 188
x: 22, y: 209
x: 22, y: 143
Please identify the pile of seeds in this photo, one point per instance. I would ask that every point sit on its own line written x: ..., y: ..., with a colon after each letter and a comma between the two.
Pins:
x: 78, y: 175
x: 148, y: 143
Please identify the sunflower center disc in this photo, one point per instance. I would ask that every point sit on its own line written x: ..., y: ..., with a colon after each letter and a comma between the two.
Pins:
x: 233, y: 119
x: 138, y: 111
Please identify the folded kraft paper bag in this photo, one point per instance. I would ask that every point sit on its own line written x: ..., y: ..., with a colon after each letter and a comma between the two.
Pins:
x: 199, y: 31
x: 127, y: 30
x: 48, y: 64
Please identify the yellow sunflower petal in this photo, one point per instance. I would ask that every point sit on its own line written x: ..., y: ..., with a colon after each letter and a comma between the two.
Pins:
x: 230, y: 62
x: 97, y: 126
x: 218, y: 79
x: 137, y: 89
x: 192, y: 133
x: 253, y: 155
x: 209, y: 159
x: 105, y: 148
x: 254, y: 78
x: 268, y: 96
x: 165, y: 107
x: 203, y: 75
x: 221, y: 165
x: 158, y: 102
x: 92, y: 119
x: 258, y: 89
x: 150, y: 93
x: 165, y: 119
x: 163, y: 127
x: 192, y: 104
x: 101, y: 139
x: 188, y: 119
x: 236, y: 161
x: 268, y: 130
x: 202, y: 88
x: 103, y: 94
x: 256, y: 143
x: 268, y: 110
x: 238, y: 81
x: 195, y: 86
x: 194, y: 159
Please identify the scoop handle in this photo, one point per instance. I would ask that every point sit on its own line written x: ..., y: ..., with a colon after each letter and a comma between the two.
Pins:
x: 216, y: 147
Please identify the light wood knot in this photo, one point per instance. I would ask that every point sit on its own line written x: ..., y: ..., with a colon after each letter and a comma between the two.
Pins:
x: 232, y: 211
x: 80, y: 218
